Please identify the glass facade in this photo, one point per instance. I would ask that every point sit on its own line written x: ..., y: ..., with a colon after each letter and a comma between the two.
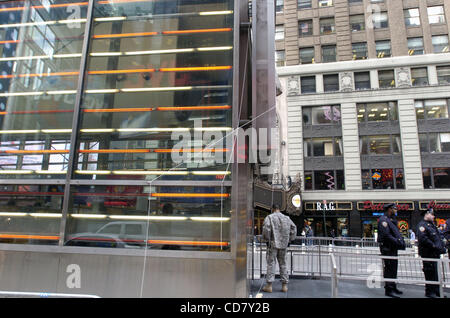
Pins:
x: 138, y: 92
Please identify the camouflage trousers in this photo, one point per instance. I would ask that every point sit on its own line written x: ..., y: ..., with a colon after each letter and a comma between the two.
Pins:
x: 274, y: 255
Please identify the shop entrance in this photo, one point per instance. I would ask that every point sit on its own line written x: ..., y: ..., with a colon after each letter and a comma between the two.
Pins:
x: 332, y: 227
x: 370, y: 226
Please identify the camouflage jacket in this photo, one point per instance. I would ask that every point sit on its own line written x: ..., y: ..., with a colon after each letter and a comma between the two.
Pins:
x: 279, y: 230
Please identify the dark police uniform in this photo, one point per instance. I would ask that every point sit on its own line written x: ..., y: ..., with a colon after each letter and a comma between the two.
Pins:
x: 430, y: 246
x: 390, y: 241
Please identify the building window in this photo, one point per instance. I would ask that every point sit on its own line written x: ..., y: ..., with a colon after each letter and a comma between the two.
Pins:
x: 380, y: 145
x: 323, y: 147
x: 362, y: 80
x: 325, y: 3
x: 279, y: 32
x: 412, y: 17
x: 438, y: 178
x: 419, y: 76
x: 434, y: 142
x: 308, y: 84
x: 357, y: 22
x: 324, y: 180
x: 359, y: 51
x: 327, y: 26
x: 279, y: 5
x: 304, y: 4
x: 383, y: 49
x: 351, y: 2
x: 431, y: 109
x: 443, y: 73
x: 386, y: 78
x: 305, y: 28
x: 280, y: 58
x: 440, y: 43
x: 382, y: 179
x: 306, y: 55
x: 329, y: 53
x: 322, y: 115
x: 385, y: 111
x: 415, y: 46
x: 436, y: 15
x: 380, y: 20
x: 331, y: 83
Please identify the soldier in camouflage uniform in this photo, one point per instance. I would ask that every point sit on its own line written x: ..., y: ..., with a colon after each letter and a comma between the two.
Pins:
x: 278, y: 231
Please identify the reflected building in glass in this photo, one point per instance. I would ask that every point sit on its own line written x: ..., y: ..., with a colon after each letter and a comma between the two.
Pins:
x: 115, y: 127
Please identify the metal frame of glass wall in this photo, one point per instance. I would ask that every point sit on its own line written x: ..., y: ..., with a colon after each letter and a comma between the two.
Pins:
x: 70, y: 186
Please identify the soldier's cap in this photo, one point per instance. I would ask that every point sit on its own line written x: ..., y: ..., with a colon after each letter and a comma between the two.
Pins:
x: 426, y: 211
x: 390, y: 205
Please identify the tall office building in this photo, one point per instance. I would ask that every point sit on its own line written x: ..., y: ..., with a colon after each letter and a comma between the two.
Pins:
x: 366, y: 109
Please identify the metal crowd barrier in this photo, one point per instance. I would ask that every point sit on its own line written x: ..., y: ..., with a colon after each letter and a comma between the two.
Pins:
x: 350, y: 259
x: 409, y: 271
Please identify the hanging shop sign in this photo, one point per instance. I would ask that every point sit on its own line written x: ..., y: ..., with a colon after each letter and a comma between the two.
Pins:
x: 330, y: 206
x: 379, y: 206
x: 294, y: 198
x: 435, y: 205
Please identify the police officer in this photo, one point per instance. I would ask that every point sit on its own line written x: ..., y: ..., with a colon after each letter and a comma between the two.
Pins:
x: 278, y: 231
x: 430, y: 246
x: 391, y: 241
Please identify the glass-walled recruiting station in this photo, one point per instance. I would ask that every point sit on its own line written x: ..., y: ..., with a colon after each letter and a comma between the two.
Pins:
x: 115, y: 118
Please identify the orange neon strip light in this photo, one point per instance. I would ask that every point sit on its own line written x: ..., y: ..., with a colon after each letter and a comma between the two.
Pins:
x: 207, y: 243
x: 191, y: 69
x: 193, y: 108
x: 123, y: 35
x: 34, y: 237
x: 190, y: 195
x: 117, y: 110
x: 122, y: 71
x: 190, y: 150
x: 146, y: 150
x: 33, y: 151
x: 197, y: 31
x: 9, y: 41
x: 116, y: 151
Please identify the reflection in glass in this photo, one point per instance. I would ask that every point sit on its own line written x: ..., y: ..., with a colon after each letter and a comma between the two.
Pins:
x: 177, y: 218
x: 154, y: 82
x: 39, y: 65
x: 30, y: 214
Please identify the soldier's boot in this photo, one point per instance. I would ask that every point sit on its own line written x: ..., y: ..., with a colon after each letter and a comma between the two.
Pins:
x: 284, y: 287
x: 267, y: 288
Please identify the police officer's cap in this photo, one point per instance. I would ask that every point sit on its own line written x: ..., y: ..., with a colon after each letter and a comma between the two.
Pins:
x: 389, y: 205
x: 423, y: 212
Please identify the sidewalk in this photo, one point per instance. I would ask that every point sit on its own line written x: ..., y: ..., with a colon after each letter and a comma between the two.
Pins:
x: 321, y: 288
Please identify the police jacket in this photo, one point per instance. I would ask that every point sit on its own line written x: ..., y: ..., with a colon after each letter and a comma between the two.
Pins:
x: 279, y: 230
x: 429, y: 239
x: 389, y: 235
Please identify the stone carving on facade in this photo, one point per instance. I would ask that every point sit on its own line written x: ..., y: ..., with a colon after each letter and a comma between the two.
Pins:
x: 293, y: 84
x: 403, y: 77
x: 346, y: 81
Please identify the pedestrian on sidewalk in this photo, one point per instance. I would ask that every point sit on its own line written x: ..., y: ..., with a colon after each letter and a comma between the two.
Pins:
x: 278, y: 231
x: 431, y: 245
x: 391, y: 241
